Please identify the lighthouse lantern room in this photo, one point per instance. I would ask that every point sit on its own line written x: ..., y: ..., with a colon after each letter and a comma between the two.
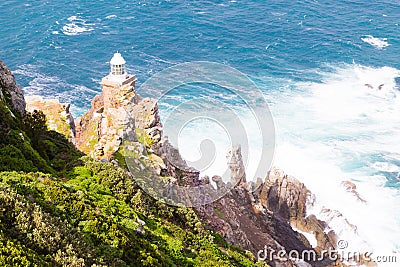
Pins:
x: 118, y: 66
x: 118, y: 75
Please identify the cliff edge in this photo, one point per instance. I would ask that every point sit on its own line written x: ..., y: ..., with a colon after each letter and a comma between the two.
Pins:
x: 10, y: 92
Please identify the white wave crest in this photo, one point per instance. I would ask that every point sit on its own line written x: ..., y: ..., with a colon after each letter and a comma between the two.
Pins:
x: 379, y: 43
x: 111, y: 16
x: 76, y: 26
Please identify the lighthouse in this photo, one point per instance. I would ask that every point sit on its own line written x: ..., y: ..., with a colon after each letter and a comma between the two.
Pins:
x: 118, y: 73
x: 117, y: 83
x: 118, y: 66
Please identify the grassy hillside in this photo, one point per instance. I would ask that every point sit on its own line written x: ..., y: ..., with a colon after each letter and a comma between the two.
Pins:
x: 60, y: 208
x: 98, y: 216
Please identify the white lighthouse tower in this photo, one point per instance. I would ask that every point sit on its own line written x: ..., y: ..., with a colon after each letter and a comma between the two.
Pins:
x: 118, y: 75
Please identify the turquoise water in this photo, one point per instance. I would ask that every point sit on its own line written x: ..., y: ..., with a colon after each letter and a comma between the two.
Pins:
x: 311, y: 59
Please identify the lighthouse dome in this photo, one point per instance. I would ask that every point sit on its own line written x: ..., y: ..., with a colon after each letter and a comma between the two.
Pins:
x: 117, y: 59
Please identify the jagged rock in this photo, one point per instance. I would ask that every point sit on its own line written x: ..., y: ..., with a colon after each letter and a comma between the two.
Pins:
x: 255, y: 215
x: 352, y: 188
x: 243, y: 220
x: 236, y: 166
x: 10, y: 91
x: 176, y: 166
x: 234, y: 217
x: 218, y: 181
x: 284, y: 195
x: 287, y: 198
x: 101, y: 130
x: 148, y: 122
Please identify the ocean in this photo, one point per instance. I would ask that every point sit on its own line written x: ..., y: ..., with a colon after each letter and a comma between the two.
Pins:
x: 329, y: 71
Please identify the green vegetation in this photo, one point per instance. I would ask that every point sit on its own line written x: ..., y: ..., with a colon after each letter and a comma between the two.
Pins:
x: 26, y: 145
x: 60, y: 208
x: 143, y: 137
x: 98, y: 216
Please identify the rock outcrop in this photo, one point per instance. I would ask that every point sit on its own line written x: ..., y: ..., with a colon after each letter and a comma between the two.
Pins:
x: 258, y: 216
x: 100, y: 131
x: 236, y: 166
x: 10, y: 91
x: 287, y: 198
x: 120, y: 114
x: 58, y: 115
x: 253, y: 216
x: 176, y: 167
x: 352, y: 188
x: 148, y: 123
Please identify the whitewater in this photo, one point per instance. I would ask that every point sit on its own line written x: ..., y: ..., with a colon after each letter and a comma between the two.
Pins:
x: 344, y: 128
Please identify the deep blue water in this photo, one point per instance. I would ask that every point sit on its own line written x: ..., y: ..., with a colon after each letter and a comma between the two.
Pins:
x: 310, y: 58
x: 273, y: 39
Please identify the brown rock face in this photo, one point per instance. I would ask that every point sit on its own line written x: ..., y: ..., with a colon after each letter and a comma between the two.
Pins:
x: 352, y: 188
x: 258, y: 216
x: 287, y: 198
x: 148, y: 123
x: 248, y: 225
x: 100, y: 131
x: 240, y: 218
x: 58, y: 116
x: 176, y: 166
x: 10, y: 91
x: 236, y: 166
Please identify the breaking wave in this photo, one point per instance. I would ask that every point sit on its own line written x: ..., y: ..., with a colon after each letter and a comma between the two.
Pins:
x: 76, y: 26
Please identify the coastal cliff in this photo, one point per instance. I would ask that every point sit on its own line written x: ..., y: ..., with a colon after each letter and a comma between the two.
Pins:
x: 61, y: 208
x: 10, y: 92
x: 252, y: 216
x: 261, y: 216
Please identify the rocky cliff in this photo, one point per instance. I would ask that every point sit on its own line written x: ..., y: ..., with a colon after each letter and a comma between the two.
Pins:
x: 10, y: 92
x: 257, y: 216
x: 60, y: 208
x: 99, y: 132
x: 253, y: 216
x: 58, y: 115
x: 260, y: 216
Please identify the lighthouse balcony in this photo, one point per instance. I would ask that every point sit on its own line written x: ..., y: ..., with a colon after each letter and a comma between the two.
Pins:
x: 118, y: 80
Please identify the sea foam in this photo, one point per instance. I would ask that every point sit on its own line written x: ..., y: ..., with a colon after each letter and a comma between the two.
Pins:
x: 76, y: 26
x: 345, y: 127
x: 378, y: 43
